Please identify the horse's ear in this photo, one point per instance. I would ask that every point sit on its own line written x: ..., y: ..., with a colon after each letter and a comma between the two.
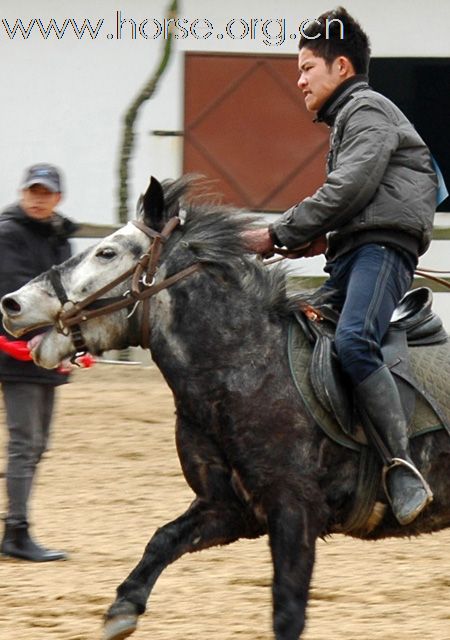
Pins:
x: 153, y: 205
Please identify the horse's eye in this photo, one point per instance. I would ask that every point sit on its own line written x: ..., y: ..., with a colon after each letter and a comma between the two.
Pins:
x: 106, y: 254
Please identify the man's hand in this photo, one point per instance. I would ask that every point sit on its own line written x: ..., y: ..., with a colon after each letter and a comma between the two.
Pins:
x: 308, y: 250
x: 314, y: 248
x: 258, y: 241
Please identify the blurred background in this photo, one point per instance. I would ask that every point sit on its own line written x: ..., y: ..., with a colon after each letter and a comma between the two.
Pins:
x: 226, y: 105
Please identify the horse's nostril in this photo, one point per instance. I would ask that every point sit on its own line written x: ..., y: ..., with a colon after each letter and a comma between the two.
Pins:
x: 11, y: 306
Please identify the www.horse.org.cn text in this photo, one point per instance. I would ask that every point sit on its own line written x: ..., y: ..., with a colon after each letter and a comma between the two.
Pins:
x: 270, y: 31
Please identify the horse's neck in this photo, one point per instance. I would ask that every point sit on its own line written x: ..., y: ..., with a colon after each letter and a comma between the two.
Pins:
x: 213, y: 340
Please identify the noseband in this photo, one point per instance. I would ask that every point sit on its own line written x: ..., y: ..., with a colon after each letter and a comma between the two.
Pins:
x: 143, y: 287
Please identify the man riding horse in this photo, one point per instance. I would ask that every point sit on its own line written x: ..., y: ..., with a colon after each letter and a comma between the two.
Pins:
x: 373, y: 217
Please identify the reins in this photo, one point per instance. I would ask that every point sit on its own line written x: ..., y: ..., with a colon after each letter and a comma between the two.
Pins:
x: 427, y: 273
x: 143, y: 287
x: 423, y: 272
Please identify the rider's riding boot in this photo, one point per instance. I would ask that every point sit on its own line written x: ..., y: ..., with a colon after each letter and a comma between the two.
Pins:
x: 379, y: 402
x: 18, y: 543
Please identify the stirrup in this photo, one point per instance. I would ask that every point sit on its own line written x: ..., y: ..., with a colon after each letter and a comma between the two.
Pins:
x: 399, y: 462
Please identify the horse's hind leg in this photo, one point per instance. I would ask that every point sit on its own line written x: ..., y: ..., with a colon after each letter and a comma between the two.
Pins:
x: 293, y: 531
x: 203, y: 525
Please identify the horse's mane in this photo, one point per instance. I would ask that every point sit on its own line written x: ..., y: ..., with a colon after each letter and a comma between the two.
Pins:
x: 213, y: 233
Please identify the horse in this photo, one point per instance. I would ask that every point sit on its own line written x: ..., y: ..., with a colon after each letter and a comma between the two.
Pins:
x: 179, y: 281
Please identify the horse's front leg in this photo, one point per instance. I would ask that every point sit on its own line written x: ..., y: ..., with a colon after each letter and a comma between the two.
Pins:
x: 293, y: 531
x: 203, y: 525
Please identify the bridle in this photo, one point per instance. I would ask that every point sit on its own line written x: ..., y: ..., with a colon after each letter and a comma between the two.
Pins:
x: 143, y: 287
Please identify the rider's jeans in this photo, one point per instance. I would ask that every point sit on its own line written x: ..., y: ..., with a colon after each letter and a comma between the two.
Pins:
x: 366, y: 285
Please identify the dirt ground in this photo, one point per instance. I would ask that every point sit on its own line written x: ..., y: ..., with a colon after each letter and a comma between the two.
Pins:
x: 112, y: 477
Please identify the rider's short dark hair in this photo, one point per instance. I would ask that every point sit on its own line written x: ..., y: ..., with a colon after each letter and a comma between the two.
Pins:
x: 335, y: 33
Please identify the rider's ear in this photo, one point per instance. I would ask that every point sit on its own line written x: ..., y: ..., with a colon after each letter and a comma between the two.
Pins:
x: 153, y: 205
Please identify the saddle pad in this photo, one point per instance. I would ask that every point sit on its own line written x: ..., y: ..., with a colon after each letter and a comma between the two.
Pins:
x: 431, y: 367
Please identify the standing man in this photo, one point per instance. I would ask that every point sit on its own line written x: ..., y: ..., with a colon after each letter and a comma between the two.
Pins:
x: 373, y: 218
x: 33, y: 238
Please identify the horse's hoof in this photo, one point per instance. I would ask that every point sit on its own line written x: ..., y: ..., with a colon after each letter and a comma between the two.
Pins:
x: 120, y: 627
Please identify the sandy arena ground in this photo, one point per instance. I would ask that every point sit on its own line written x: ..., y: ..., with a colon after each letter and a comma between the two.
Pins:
x: 112, y: 477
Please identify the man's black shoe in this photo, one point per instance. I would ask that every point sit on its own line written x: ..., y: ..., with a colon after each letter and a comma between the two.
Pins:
x: 17, y: 543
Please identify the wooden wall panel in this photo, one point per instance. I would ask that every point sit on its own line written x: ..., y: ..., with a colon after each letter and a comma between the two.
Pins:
x: 247, y: 129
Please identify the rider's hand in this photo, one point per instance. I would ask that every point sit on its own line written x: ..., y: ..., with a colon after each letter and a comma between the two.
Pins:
x: 314, y: 248
x: 258, y: 241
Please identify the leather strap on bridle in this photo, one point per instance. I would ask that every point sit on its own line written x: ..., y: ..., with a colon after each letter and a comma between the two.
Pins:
x: 80, y: 312
x: 143, y: 287
x: 148, y: 278
x: 55, y: 279
x: 75, y: 330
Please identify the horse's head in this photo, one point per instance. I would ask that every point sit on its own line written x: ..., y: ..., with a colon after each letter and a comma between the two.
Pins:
x: 154, y: 277
x: 111, y: 273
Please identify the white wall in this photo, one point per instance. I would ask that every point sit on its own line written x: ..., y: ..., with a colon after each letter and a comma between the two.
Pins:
x: 63, y: 100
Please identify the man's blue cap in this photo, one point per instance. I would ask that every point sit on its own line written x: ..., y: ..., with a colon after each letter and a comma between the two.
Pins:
x: 45, y: 174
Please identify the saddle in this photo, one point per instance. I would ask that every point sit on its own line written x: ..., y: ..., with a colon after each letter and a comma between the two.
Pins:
x: 413, y: 324
x: 417, y: 351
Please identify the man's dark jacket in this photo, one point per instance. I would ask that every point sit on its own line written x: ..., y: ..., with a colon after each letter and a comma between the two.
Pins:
x: 27, y: 248
x: 381, y: 186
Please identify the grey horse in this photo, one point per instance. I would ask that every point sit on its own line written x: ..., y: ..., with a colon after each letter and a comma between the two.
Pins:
x: 216, y: 322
